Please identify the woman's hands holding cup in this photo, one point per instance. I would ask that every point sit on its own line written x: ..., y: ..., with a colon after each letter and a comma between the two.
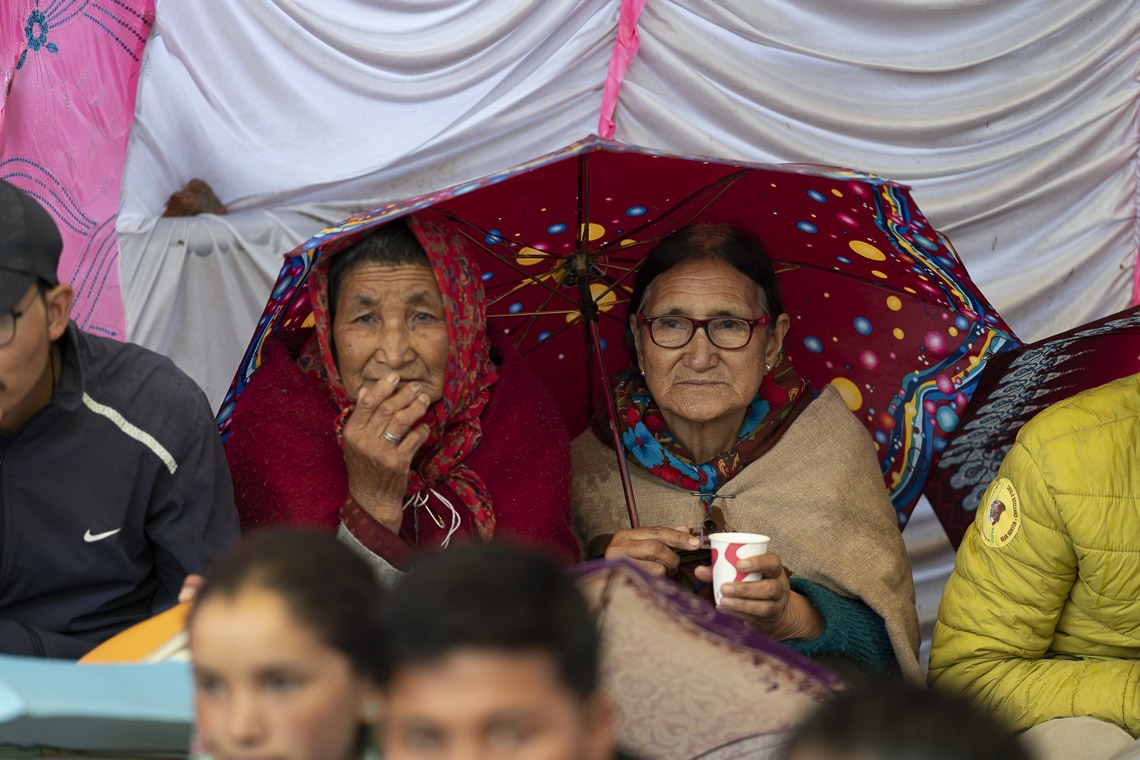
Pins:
x: 769, y: 604
x: 653, y: 549
x: 379, y: 445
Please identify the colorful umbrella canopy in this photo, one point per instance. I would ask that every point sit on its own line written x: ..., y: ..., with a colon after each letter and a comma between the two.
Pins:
x: 1013, y: 388
x: 881, y: 305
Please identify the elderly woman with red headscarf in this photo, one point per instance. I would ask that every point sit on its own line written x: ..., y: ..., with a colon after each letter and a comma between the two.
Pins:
x: 397, y: 420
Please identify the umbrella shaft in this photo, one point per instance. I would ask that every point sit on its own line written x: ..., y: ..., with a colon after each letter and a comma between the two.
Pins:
x: 611, y: 417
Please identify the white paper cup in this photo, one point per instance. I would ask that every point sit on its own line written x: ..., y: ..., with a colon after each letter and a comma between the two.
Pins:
x: 727, y: 549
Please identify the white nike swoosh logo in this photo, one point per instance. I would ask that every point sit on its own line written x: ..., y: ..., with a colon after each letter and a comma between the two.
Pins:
x: 90, y: 537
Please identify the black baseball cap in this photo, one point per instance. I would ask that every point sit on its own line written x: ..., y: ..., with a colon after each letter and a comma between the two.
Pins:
x: 29, y: 245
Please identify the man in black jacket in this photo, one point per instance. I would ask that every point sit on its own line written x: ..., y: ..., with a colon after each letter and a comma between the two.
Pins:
x: 113, y: 483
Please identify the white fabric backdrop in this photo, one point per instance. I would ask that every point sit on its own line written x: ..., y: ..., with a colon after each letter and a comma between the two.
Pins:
x: 299, y: 114
x: 1014, y: 120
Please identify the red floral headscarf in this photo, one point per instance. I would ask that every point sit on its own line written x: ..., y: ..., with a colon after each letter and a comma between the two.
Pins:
x: 453, y: 421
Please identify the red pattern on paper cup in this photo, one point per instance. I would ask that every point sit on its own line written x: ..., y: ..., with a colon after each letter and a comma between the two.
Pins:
x: 727, y: 550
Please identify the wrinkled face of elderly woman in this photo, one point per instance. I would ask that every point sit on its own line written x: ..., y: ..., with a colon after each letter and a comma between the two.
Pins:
x: 391, y: 318
x: 699, y: 383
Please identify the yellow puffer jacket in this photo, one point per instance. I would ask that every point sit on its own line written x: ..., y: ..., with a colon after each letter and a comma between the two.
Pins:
x: 1041, y: 617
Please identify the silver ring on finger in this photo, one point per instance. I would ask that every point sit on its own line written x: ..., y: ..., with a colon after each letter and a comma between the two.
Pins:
x: 395, y: 440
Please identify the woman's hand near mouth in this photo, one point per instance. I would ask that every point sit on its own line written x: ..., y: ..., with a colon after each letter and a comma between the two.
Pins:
x: 378, y: 466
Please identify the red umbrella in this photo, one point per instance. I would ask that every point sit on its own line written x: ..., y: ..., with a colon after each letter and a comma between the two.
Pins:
x: 881, y: 305
x: 1014, y: 387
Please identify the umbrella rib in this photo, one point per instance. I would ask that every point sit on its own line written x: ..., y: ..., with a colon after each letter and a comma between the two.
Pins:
x: 614, y: 317
x: 584, y: 292
x: 533, y: 314
x: 492, y: 300
x: 612, y: 285
x: 513, y: 265
x: 536, y: 279
x: 553, y: 335
x: 880, y: 285
x: 534, y: 318
x: 718, y: 188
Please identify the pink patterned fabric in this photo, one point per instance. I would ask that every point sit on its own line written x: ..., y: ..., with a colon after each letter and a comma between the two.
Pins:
x: 70, y: 70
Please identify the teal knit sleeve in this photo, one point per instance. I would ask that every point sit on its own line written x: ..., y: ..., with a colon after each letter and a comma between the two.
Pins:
x: 851, y: 630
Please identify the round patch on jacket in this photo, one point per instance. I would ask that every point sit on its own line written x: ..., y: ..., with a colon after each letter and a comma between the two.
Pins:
x: 999, y: 514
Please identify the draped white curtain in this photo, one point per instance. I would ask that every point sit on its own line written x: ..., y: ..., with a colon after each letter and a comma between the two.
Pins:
x: 1014, y: 120
x: 299, y: 114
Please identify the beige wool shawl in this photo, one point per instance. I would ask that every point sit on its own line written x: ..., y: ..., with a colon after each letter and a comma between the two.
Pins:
x: 817, y: 493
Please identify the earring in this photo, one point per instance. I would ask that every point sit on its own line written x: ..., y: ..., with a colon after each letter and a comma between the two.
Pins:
x: 371, y: 710
x: 767, y: 367
x: 643, y: 373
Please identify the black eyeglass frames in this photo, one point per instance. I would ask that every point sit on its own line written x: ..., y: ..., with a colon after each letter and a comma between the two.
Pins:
x: 729, y: 333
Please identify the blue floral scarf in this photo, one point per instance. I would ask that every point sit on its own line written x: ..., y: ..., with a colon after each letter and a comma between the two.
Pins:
x: 782, y: 396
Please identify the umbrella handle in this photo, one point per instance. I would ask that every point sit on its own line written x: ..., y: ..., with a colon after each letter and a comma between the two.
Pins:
x: 611, y: 415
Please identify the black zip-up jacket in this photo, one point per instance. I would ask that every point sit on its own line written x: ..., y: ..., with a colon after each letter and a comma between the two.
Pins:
x: 109, y: 496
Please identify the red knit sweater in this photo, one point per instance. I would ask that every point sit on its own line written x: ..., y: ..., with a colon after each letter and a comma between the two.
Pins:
x: 288, y: 468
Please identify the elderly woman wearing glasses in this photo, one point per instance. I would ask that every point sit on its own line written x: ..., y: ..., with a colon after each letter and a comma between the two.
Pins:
x: 721, y: 434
